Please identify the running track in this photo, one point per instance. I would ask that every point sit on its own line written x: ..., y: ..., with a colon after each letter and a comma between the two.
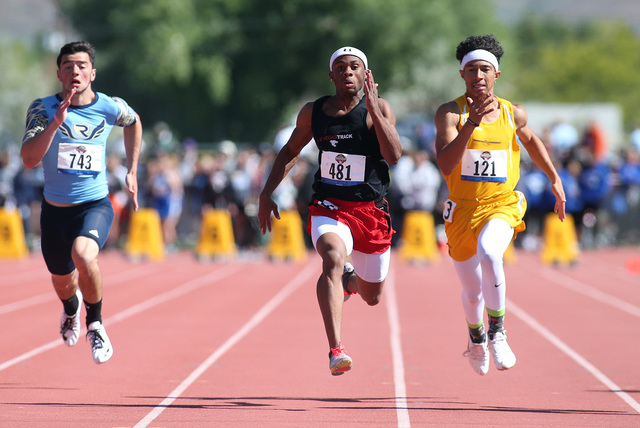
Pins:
x: 241, y: 344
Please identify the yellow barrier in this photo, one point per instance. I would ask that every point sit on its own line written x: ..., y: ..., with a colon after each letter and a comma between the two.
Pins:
x: 418, y: 242
x: 145, y: 235
x: 287, y: 240
x: 12, y: 241
x: 216, y: 235
x: 560, y: 241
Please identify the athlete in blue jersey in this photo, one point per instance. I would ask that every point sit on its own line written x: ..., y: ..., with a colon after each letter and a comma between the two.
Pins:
x: 68, y: 133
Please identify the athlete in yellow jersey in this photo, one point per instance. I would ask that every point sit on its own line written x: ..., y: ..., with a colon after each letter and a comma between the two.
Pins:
x: 479, y: 156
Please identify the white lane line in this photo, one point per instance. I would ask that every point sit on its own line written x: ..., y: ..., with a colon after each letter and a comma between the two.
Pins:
x: 259, y: 316
x: 402, y: 410
x: 108, y: 281
x: 143, y: 306
x: 587, y: 290
x: 26, y: 303
x: 544, y: 332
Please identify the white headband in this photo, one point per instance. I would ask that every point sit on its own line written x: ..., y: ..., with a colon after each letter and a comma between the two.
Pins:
x: 348, y: 50
x: 479, y: 54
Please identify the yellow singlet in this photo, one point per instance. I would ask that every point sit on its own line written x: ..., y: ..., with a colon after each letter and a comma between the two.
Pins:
x: 482, y: 186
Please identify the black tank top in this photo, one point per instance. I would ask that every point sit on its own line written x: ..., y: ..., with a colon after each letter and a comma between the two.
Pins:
x: 351, y: 167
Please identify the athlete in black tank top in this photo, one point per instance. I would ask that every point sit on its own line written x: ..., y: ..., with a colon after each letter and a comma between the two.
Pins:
x: 357, y: 140
x: 348, y: 135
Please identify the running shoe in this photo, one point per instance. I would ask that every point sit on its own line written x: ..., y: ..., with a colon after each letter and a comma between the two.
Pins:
x: 347, y: 273
x: 100, y: 344
x: 70, y: 324
x: 339, y: 361
x: 478, y: 355
x: 503, y: 356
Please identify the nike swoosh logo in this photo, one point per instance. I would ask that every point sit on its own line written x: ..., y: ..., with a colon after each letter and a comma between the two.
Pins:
x: 497, y: 285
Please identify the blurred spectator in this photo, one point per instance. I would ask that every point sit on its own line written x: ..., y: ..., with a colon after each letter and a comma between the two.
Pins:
x: 240, y: 193
x: 166, y: 195
x: 595, y: 185
x: 187, y: 165
x: 534, y: 184
x: 119, y: 197
x: 21, y: 188
x: 564, y: 137
x: 629, y: 176
x: 426, y: 137
x: 415, y: 186
x: 302, y: 176
x: 215, y: 194
x: 627, y: 192
x: 10, y: 165
x: 634, y: 137
x: 188, y: 227
x: 595, y: 141
x: 570, y: 174
x: 625, y: 203
x: 29, y: 187
x: 425, y: 180
x: 594, y: 181
x: 399, y: 187
x: 163, y: 139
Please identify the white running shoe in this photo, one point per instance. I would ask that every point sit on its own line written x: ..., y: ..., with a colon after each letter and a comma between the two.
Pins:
x: 339, y: 361
x: 100, y: 344
x: 503, y: 356
x: 478, y: 355
x: 70, y: 325
x: 347, y: 273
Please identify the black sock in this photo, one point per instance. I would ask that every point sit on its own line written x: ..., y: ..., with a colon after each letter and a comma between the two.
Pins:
x: 495, y: 325
x: 71, y: 305
x: 94, y: 311
x: 477, y: 334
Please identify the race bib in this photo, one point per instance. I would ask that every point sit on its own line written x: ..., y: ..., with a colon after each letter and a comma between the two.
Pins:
x: 342, y: 169
x: 484, y: 165
x: 74, y: 158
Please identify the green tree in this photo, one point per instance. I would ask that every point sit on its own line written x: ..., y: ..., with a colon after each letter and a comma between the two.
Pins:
x: 28, y: 75
x: 216, y: 69
x: 593, y: 62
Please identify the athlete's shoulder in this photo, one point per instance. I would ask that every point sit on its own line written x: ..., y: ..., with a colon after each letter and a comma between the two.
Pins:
x: 306, y: 112
x: 505, y: 101
x: 322, y: 99
x: 104, y: 99
x: 125, y: 115
x: 50, y: 101
x: 516, y: 110
x: 450, y: 107
x: 37, y: 106
x: 37, y: 119
x: 450, y: 110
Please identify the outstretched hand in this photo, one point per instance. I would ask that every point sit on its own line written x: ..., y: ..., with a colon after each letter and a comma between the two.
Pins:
x: 132, y: 185
x: 61, y: 113
x: 371, y: 90
x: 561, y: 200
x: 481, y: 106
x: 267, y: 206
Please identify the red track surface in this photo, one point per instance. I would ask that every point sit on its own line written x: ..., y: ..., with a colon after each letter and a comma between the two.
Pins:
x: 241, y: 344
